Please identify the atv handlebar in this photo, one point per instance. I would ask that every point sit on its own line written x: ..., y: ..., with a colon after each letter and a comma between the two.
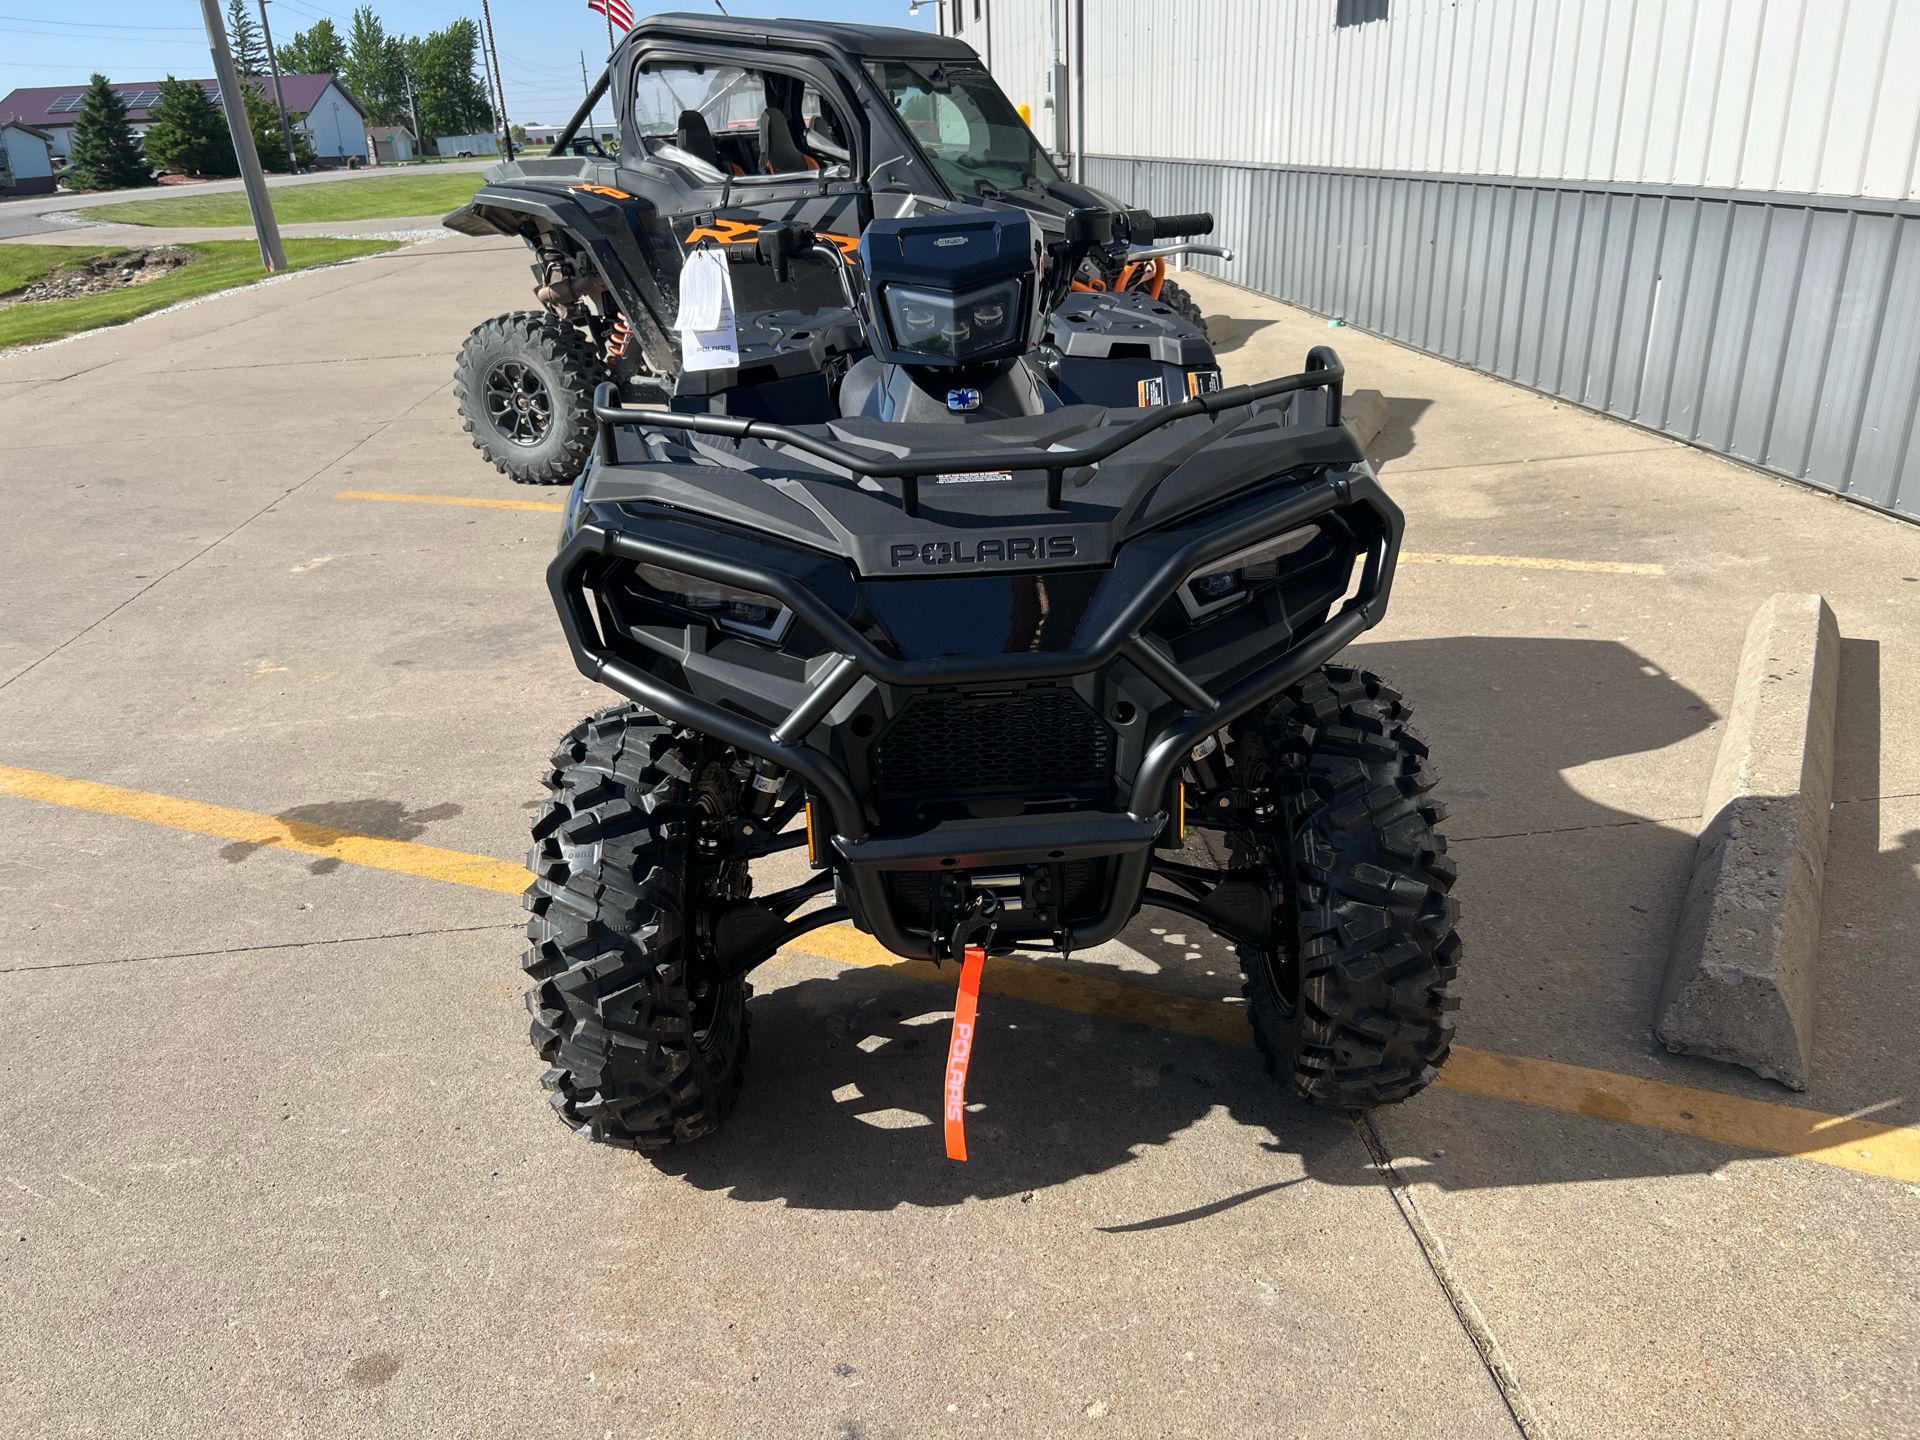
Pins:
x: 1323, y: 372
x: 1145, y: 227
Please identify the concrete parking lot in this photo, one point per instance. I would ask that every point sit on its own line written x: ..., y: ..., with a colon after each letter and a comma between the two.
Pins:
x: 277, y: 678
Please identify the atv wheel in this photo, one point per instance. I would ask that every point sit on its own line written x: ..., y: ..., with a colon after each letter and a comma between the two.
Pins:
x: 1353, y: 1008
x: 1183, y: 305
x: 525, y: 387
x: 645, y: 1039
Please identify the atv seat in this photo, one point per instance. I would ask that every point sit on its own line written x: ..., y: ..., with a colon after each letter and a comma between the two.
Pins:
x: 779, y: 155
x: 692, y: 135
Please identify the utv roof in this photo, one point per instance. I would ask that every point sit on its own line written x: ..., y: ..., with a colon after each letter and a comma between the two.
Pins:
x: 883, y: 41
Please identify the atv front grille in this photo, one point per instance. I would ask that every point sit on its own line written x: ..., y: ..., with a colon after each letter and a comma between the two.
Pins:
x: 1035, y: 744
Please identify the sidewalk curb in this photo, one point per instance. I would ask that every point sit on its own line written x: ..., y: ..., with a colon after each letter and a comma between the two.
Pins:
x: 1740, y: 977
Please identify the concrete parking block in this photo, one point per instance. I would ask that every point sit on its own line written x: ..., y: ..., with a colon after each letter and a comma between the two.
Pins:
x: 1740, y: 979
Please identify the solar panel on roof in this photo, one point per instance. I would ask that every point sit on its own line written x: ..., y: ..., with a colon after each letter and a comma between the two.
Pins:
x: 66, y: 104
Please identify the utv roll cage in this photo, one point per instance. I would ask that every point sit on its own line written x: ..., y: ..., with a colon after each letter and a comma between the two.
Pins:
x: 1130, y: 835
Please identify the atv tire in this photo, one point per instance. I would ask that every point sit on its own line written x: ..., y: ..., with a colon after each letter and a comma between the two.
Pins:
x: 525, y: 384
x: 644, y: 1039
x: 1183, y: 305
x: 1354, y: 1007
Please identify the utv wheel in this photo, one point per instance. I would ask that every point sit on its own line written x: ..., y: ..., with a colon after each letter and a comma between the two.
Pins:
x: 1354, y: 1007
x: 524, y: 383
x: 644, y: 1039
x: 1183, y: 305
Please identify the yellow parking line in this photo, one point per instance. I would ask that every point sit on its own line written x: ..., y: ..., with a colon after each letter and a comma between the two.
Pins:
x: 1533, y: 562
x: 1410, y: 557
x: 456, y: 867
x: 473, y: 501
x: 1891, y: 1151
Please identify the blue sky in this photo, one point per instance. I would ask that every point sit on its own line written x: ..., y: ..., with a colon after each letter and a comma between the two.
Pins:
x: 539, y: 40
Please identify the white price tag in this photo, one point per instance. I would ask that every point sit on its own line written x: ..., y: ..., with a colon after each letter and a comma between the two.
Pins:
x: 709, y: 339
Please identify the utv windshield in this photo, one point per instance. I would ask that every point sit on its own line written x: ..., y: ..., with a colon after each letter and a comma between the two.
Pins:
x: 965, y: 124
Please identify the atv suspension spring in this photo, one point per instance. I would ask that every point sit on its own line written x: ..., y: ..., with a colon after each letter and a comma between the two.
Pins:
x: 619, y: 338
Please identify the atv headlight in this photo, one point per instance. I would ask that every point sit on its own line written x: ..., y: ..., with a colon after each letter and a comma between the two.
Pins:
x: 742, y: 611
x: 1228, y: 581
x: 954, y: 327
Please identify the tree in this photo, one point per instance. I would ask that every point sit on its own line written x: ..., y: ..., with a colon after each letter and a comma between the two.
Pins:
x: 105, y: 155
x: 243, y: 37
x: 376, y: 68
x: 263, y: 118
x: 188, y: 134
x: 453, y: 98
x: 317, y: 50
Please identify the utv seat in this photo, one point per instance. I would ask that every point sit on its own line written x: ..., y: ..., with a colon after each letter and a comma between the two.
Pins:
x: 779, y: 155
x: 693, y: 136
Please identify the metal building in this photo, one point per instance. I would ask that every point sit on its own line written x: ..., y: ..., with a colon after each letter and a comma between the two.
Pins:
x: 1702, y: 216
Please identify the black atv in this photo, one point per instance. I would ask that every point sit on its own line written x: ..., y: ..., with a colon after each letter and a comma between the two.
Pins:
x: 727, y: 124
x: 1008, y: 668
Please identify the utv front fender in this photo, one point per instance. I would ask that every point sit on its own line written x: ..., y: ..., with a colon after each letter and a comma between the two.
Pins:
x: 604, y: 230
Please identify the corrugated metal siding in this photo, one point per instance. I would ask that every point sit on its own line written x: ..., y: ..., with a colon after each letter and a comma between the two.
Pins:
x: 1805, y: 96
x: 1787, y: 336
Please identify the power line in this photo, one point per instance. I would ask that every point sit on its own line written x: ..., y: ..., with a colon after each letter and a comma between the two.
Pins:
x: 121, y: 39
x: 94, y: 24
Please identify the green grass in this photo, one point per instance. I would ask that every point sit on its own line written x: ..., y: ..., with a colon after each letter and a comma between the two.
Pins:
x: 376, y: 198
x: 222, y: 265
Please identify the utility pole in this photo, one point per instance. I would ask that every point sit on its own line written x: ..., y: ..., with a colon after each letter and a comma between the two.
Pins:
x: 486, y: 78
x: 486, y: 21
x: 413, y: 107
x: 272, y: 255
x: 273, y: 64
x: 593, y: 125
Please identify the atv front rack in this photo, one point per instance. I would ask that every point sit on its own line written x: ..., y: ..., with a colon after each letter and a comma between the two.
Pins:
x: 1323, y: 372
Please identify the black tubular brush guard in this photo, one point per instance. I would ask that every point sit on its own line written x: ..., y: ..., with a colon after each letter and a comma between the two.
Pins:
x: 1128, y: 836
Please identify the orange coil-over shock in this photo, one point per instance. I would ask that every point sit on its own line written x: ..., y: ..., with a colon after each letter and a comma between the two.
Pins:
x: 618, y: 340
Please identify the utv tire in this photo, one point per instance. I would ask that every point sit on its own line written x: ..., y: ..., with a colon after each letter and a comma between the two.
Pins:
x: 1183, y: 305
x: 1355, y: 1007
x: 525, y: 384
x: 645, y: 1042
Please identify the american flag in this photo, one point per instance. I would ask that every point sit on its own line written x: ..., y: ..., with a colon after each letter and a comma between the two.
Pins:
x: 618, y: 12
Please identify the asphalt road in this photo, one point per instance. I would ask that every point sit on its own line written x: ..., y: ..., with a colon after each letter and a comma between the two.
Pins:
x: 277, y: 680
x: 21, y: 218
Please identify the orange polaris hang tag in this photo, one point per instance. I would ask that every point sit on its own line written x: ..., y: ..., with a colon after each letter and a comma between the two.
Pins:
x: 966, y: 1006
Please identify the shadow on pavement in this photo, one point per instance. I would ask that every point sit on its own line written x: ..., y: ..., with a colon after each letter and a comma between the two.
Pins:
x: 1230, y: 332
x: 1395, y: 439
x: 841, y: 1106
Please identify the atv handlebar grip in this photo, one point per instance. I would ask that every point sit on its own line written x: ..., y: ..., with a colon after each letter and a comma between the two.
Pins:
x: 1168, y: 227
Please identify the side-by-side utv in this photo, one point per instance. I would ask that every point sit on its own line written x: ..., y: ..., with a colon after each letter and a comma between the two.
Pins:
x: 1006, y: 665
x: 727, y: 124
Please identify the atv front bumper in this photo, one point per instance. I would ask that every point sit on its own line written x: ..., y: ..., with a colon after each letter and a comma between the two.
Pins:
x: 866, y: 852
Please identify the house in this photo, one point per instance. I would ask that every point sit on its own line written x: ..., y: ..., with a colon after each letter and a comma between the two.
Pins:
x: 26, y: 158
x: 392, y: 144
x: 320, y: 104
x: 333, y: 119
